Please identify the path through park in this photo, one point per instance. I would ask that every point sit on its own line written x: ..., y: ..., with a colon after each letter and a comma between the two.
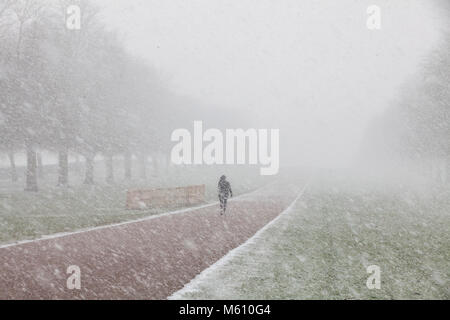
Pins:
x: 146, y: 259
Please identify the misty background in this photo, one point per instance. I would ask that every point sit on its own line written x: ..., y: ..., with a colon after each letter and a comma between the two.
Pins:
x: 86, y: 118
x: 138, y: 70
x: 311, y: 68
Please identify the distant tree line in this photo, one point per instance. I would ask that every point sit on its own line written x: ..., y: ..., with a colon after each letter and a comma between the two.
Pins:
x: 416, y: 128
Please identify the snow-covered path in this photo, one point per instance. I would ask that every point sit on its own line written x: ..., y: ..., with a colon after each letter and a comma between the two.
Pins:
x: 148, y: 259
x: 322, y: 246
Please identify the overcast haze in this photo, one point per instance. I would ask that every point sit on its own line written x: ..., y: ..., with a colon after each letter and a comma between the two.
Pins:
x: 311, y: 68
x: 108, y: 191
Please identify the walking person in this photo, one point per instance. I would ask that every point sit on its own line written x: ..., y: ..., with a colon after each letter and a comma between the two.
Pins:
x: 224, y: 189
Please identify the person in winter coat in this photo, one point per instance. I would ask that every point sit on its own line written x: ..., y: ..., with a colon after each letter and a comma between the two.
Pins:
x: 224, y: 189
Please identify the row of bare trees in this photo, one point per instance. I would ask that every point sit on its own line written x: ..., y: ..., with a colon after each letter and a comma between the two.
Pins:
x: 75, y: 91
x: 415, y: 130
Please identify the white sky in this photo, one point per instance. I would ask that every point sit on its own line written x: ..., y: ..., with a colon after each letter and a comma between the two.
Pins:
x: 310, y: 67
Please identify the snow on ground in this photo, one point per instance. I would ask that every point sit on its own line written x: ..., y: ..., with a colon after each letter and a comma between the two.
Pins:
x: 27, y: 216
x: 321, y: 248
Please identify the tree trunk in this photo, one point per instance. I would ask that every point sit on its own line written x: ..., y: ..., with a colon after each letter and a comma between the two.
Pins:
x: 430, y: 170
x: 166, y: 163
x: 63, y: 173
x: 447, y: 171
x: 40, y: 165
x: 89, y: 174
x: 444, y: 172
x: 155, y: 164
x: 127, y: 164
x: 109, y: 169
x: 12, y: 162
x: 31, y: 177
x: 143, y: 166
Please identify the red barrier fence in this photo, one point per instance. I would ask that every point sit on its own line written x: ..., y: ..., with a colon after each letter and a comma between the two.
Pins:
x: 167, y: 197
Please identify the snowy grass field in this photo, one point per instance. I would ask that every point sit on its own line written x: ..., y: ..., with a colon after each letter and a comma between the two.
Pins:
x: 26, y: 216
x: 320, y: 249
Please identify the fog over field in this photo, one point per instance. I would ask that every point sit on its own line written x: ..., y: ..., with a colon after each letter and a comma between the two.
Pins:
x: 311, y: 68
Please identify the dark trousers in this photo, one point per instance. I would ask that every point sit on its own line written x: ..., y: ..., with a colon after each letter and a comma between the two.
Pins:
x: 223, y: 202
